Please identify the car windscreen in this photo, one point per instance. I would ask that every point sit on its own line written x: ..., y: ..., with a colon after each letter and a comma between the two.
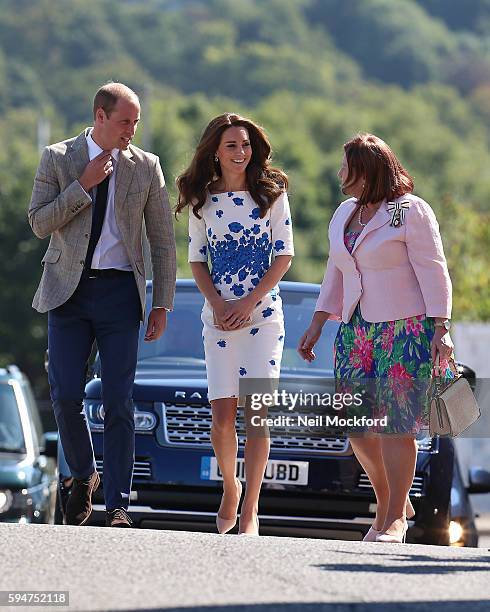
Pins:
x: 11, y: 433
x: 298, y: 308
x: 182, y: 344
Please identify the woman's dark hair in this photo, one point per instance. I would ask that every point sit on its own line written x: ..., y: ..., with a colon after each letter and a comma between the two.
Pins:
x: 264, y: 182
x: 370, y: 158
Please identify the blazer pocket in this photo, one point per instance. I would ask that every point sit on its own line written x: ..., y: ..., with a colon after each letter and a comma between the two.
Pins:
x: 140, y: 267
x: 51, y: 256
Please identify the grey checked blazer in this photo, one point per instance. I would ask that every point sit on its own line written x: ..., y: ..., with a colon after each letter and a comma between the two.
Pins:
x: 60, y: 207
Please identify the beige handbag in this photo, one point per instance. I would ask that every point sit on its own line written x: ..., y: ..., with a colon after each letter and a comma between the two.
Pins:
x: 453, y: 407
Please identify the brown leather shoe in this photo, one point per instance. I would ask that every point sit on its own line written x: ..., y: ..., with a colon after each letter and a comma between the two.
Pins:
x: 118, y: 518
x: 79, y: 505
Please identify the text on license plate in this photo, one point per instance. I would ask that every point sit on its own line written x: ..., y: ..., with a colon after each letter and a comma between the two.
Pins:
x: 284, y: 472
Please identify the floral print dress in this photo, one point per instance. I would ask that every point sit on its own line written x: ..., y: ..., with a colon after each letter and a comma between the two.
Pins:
x: 240, y: 246
x: 396, y: 355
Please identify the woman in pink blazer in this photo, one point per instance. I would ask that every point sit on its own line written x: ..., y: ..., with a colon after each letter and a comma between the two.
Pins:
x: 388, y: 282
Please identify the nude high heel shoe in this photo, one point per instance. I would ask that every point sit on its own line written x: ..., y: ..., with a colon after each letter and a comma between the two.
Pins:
x: 393, y: 539
x: 255, y: 533
x: 372, y: 534
x: 225, y: 525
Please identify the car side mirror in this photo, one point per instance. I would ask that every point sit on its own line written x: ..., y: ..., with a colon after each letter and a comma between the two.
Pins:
x: 467, y: 373
x: 50, y: 444
x: 479, y: 480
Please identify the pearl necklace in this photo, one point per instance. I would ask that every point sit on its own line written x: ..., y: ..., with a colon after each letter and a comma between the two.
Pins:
x: 359, y: 218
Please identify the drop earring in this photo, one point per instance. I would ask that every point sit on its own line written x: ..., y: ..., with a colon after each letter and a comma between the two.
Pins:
x: 216, y: 159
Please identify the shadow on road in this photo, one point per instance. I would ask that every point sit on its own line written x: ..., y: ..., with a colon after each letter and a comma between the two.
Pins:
x: 411, y: 606
x: 408, y: 564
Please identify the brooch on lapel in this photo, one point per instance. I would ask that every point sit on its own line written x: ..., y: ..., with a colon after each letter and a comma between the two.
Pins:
x: 397, y: 210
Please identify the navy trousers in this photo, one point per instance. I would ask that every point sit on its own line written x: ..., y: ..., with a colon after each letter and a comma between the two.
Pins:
x: 105, y: 310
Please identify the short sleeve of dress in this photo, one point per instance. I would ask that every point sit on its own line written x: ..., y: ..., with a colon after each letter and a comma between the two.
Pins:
x: 281, y: 227
x: 198, y: 243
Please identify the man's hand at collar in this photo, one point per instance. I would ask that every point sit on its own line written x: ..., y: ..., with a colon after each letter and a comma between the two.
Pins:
x: 157, y: 322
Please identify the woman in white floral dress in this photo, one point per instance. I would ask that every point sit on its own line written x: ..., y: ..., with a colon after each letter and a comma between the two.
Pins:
x: 239, y: 218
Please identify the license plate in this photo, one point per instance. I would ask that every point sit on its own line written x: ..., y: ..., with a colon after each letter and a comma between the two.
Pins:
x: 277, y: 471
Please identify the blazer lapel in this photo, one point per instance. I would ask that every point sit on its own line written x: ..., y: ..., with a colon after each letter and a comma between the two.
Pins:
x: 381, y: 217
x: 78, y: 155
x: 342, y: 224
x: 124, y: 175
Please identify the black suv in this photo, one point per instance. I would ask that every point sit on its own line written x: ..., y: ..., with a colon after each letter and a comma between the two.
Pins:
x: 313, y: 486
x: 27, y: 456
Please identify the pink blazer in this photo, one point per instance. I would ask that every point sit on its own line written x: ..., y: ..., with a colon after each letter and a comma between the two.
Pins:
x: 395, y: 273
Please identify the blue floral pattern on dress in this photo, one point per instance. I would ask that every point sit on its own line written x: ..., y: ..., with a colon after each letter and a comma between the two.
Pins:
x: 238, y: 290
x: 237, y: 241
x: 239, y: 245
x: 235, y: 227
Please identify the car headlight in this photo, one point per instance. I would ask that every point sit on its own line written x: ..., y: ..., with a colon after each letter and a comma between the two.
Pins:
x: 95, y: 415
x: 144, y: 420
x: 456, y: 532
x: 16, y: 502
x: 5, y: 500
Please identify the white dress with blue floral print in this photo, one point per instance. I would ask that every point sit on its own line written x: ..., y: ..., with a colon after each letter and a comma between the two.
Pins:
x: 240, y: 246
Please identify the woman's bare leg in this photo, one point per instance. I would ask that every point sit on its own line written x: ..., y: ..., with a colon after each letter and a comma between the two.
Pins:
x: 368, y: 452
x: 399, y: 458
x: 257, y: 449
x: 225, y: 445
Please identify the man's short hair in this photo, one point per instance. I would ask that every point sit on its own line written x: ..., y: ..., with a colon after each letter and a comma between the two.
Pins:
x: 108, y: 95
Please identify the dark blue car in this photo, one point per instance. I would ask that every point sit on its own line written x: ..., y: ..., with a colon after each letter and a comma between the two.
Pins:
x: 27, y: 455
x: 313, y: 486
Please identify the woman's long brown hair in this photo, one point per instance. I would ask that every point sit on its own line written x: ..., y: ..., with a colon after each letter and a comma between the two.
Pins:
x: 264, y: 182
x: 370, y: 158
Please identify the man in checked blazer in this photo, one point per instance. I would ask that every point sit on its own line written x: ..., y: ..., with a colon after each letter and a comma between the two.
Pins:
x: 91, y: 194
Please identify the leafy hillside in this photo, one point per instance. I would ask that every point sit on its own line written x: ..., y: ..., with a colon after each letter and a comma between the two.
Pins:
x: 313, y: 72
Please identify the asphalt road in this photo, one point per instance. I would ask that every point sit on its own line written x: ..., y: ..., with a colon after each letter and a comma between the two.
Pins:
x: 108, y: 569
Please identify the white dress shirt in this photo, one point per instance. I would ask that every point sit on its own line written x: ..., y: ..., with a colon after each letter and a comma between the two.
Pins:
x: 110, y: 251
